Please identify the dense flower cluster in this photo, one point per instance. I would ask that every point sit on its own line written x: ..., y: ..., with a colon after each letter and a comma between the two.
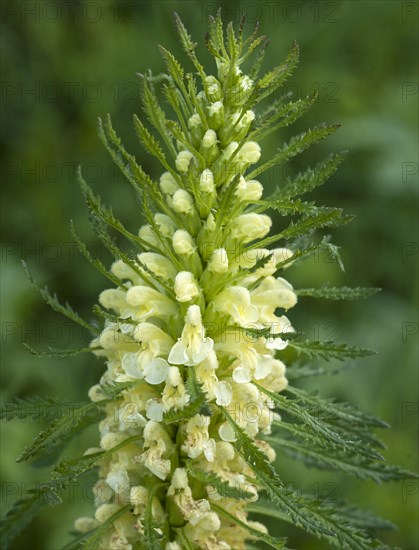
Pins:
x: 183, y: 324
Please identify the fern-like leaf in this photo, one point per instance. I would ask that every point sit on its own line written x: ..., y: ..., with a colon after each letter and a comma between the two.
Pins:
x: 222, y: 487
x: 53, y: 302
x: 338, y: 293
x: 329, y: 349
x: 295, y: 146
x: 35, y: 408
x: 70, y: 422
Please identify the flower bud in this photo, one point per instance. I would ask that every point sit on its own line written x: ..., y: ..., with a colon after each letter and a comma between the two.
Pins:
x: 123, y: 271
x: 186, y: 287
x: 209, y: 149
x: 183, y: 161
x: 218, y: 262
x: 168, y: 184
x: 216, y: 114
x: 246, y: 83
x: 250, y: 152
x: 85, y: 524
x: 158, y: 264
x: 206, y: 181
x: 248, y: 227
x: 196, y: 128
x: 250, y: 190
x: 105, y: 511
x: 194, y: 121
x: 214, y: 91
x: 209, y: 139
x: 147, y: 234
x: 165, y: 225
x: 183, y: 243
x: 183, y: 202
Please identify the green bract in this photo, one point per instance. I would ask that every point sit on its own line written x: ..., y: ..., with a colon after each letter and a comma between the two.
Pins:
x: 195, y: 402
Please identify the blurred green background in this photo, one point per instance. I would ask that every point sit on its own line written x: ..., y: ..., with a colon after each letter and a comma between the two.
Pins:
x: 66, y: 63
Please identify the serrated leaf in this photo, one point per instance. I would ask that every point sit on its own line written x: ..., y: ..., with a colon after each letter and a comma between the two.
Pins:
x: 177, y: 73
x: 20, y: 515
x: 195, y: 407
x: 309, y: 179
x: 272, y: 484
x: 287, y: 113
x: 188, y: 45
x: 222, y: 487
x: 330, y: 350
x: 150, y: 143
x: 287, y: 207
x: 337, y: 293
x: 348, y: 536
x: 156, y: 115
x: 113, y: 390
x: 319, y: 428
x: 152, y: 538
x: 295, y: 146
x: 35, y: 408
x: 340, y: 462
x: 53, y: 302
x: 95, y: 262
x: 275, y: 78
x: 140, y: 181
x: 364, y: 519
x: 322, y: 217
x: 52, y: 352
x: 72, y: 468
x: 332, y: 411
x: 65, y: 426
x: 106, y: 216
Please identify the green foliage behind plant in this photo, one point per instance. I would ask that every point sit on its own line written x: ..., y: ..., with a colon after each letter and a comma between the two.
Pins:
x: 368, y: 51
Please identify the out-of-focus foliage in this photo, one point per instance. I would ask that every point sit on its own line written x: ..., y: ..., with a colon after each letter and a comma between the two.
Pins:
x: 66, y: 63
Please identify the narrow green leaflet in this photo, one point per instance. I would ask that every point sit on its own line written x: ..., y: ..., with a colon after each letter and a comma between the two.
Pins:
x: 156, y: 114
x: 222, y: 487
x: 295, y: 146
x: 338, y: 293
x: 272, y: 80
x: 287, y: 207
x: 36, y: 408
x: 57, y: 352
x: 340, y: 462
x: 71, y: 468
x: 343, y: 412
x: 74, y: 543
x: 53, y: 302
x: 329, y: 349
x: 20, y: 515
x: 270, y: 481
x: 318, y: 426
x: 152, y: 536
x: 322, y: 217
x: 309, y: 179
x: 70, y: 422
x: 95, y: 262
x: 196, y: 406
x: 287, y: 113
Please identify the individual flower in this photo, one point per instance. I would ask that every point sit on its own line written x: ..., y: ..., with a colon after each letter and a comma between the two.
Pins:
x: 192, y: 347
